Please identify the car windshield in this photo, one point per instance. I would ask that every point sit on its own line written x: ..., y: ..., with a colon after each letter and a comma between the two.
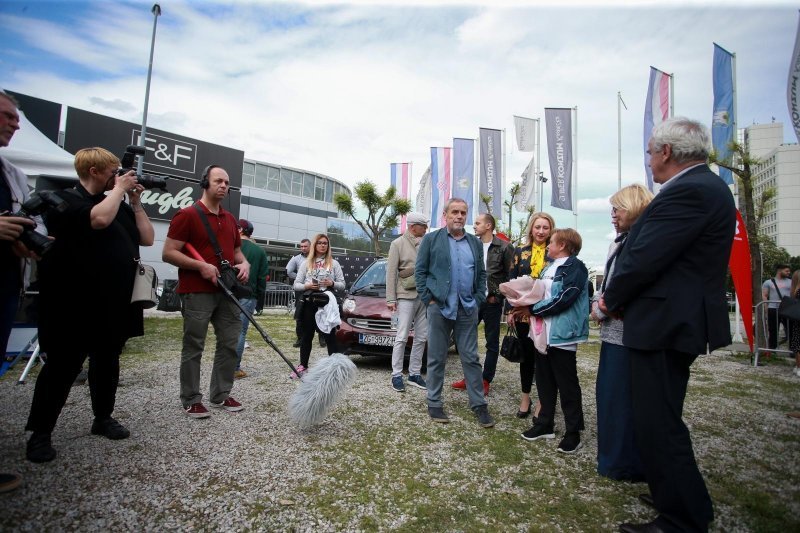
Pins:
x: 372, y: 277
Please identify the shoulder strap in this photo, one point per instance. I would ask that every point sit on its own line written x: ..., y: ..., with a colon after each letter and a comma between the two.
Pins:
x: 776, y: 288
x: 211, y: 236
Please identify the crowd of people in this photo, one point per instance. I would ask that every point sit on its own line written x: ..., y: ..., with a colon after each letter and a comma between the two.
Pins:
x: 661, y: 303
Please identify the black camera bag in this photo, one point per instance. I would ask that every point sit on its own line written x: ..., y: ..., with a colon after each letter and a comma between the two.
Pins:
x: 227, y: 273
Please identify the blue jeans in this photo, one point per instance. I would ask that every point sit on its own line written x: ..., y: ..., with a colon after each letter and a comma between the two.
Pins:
x: 250, y: 305
x: 464, y: 329
x: 490, y: 314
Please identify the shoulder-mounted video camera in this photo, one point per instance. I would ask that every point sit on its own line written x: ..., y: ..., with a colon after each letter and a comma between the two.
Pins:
x: 148, y: 181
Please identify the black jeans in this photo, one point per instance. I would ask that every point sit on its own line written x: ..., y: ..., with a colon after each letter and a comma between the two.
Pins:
x: 490, y: 314
x: 307, y: 329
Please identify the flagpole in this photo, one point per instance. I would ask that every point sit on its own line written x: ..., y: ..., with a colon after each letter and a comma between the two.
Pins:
x: 539, y: 160
x: 503, y: 174
x: 575, y: 168
x: 672, y: 95
x: 156, y: 10
x: 619, y: 140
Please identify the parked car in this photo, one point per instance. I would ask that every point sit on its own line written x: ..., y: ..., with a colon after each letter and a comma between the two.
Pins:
x: 366, y: 321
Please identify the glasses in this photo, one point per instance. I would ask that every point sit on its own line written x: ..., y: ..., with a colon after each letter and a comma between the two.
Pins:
x: 322, y: 243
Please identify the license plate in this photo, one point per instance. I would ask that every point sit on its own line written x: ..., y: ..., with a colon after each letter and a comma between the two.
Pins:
x: 375, y: 340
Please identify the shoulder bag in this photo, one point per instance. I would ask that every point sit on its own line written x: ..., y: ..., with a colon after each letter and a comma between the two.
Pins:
x: 227, y: 273
x: 789, y: 308
x: 144, y: 286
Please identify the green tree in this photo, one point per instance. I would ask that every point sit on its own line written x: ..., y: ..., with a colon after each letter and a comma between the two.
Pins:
x: 740, y: 163
x: 382, y: 209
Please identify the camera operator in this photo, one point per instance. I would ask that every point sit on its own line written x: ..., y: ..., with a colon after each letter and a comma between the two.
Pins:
x: 86, y: 280
x: 13, y: 254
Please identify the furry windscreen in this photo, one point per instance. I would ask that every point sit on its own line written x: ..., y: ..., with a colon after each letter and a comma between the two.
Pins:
x: 320, y: 389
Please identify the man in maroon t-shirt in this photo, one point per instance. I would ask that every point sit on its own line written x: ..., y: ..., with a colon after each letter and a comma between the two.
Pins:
x: 203, y: 301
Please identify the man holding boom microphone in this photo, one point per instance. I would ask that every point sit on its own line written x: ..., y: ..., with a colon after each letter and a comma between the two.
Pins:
x: 214, y: 233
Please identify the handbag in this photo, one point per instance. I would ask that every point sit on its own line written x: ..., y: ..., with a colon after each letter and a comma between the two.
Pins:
x: 169, y: 301
x: 789, y: 308
x: 511, y: 348
x: 409, y: 283
x: 144, y: 286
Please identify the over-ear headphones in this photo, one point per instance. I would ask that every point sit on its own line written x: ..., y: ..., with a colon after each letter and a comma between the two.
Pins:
x: 204, y: 178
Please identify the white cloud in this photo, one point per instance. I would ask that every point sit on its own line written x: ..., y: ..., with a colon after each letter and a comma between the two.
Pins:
x: 345, y: 90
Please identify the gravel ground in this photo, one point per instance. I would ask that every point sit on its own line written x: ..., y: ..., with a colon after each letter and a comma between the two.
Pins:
x: 254, y: 471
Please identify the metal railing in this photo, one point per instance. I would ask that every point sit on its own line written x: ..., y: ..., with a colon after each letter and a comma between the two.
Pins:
x: 279, y: 296
x: 761, y: 335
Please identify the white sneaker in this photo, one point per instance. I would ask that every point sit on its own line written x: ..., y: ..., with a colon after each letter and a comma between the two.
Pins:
x: 796, y: 371
x: 246, y: 345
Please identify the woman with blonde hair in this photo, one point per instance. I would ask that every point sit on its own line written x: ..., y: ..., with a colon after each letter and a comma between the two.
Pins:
x: 617, y: 456
x: 529, y: 260
x: 319, y: 272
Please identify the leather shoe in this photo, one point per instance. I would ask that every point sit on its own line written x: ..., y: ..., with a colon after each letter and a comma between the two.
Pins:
x: 649, y: 527
x: 524, y: 414
x: 39, y: 449
x: 647, y: 499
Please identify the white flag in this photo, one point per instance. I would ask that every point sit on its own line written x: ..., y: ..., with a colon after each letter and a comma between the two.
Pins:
x: 526, y: 133
x: 424, y: 194
x: 793, y: 86
x: 527, y: 190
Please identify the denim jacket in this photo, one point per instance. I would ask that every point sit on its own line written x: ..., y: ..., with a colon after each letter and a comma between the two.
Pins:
x: 568, y: 304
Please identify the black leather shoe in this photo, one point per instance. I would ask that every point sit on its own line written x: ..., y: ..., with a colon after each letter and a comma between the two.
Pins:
x: 109, y: 428
x: 649, y: 527
x: 39, y: 449
x: 524, y: 414
x: 646, y: 499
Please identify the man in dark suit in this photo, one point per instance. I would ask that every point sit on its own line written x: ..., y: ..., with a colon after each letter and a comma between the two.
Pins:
x: 669, y: 284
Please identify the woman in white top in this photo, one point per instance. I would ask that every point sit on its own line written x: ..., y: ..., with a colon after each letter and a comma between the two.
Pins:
x: 319, y: 272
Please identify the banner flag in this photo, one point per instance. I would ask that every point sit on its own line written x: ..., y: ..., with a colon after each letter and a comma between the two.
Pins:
x: 558, y: 123
x: 526, y: 133
x: 739, y: 265
x: 399, y: 180
x: 491, y: 177
x: 424, y: 194
x: 464, y: 172
x: 527, y: 189
x: 656, y: 111
x: 793, y: 86
x: 440, y: 184
x: 723, y: 123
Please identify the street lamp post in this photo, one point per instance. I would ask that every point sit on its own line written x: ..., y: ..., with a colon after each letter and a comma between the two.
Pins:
x: 542, y: 181
x: 156, y: 10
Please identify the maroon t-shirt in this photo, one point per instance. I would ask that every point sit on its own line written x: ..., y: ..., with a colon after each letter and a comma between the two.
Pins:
x: 186, y: 226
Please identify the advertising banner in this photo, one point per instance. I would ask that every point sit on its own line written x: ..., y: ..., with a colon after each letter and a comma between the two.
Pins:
x: 740, y: 272
x: 793, y: 86
x: 559, y: 151
x: 491, y: 177
x: 526, y: 133
x: 723, y: 123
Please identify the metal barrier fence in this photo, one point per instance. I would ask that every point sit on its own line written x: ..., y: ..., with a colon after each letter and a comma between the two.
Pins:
x: 279, y: 296
x: 762, y: 334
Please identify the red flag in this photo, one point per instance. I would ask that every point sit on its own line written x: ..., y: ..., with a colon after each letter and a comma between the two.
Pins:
x: 740, y: 272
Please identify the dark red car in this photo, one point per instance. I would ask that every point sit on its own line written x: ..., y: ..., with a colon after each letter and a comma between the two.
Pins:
x: 366, y: 321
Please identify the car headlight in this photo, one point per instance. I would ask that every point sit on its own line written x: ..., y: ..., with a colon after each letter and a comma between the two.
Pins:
x: 349, y: 305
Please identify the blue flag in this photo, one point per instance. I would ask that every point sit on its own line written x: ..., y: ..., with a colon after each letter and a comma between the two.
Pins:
x: 723, y: 124
x: 464, y: 172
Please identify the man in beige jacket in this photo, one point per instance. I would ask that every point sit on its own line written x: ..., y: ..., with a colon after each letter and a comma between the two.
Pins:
x: 403, y: 300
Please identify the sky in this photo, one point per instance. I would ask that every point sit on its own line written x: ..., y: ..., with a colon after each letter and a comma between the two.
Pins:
x: 346, y: 88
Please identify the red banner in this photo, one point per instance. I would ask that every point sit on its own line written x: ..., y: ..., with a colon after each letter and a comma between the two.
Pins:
x: 742, y: 277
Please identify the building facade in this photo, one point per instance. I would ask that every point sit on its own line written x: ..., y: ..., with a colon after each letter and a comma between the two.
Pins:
x: 779, y: 169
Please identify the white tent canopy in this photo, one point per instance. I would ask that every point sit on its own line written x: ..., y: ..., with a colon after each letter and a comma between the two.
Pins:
x: 36, y: 155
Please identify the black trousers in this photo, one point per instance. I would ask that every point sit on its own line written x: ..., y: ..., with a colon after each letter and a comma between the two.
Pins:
x: 772, y: 327
x: 57, y: 376
x: 557, y: 373
x: 658, y: 389
x: 308, y: 325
